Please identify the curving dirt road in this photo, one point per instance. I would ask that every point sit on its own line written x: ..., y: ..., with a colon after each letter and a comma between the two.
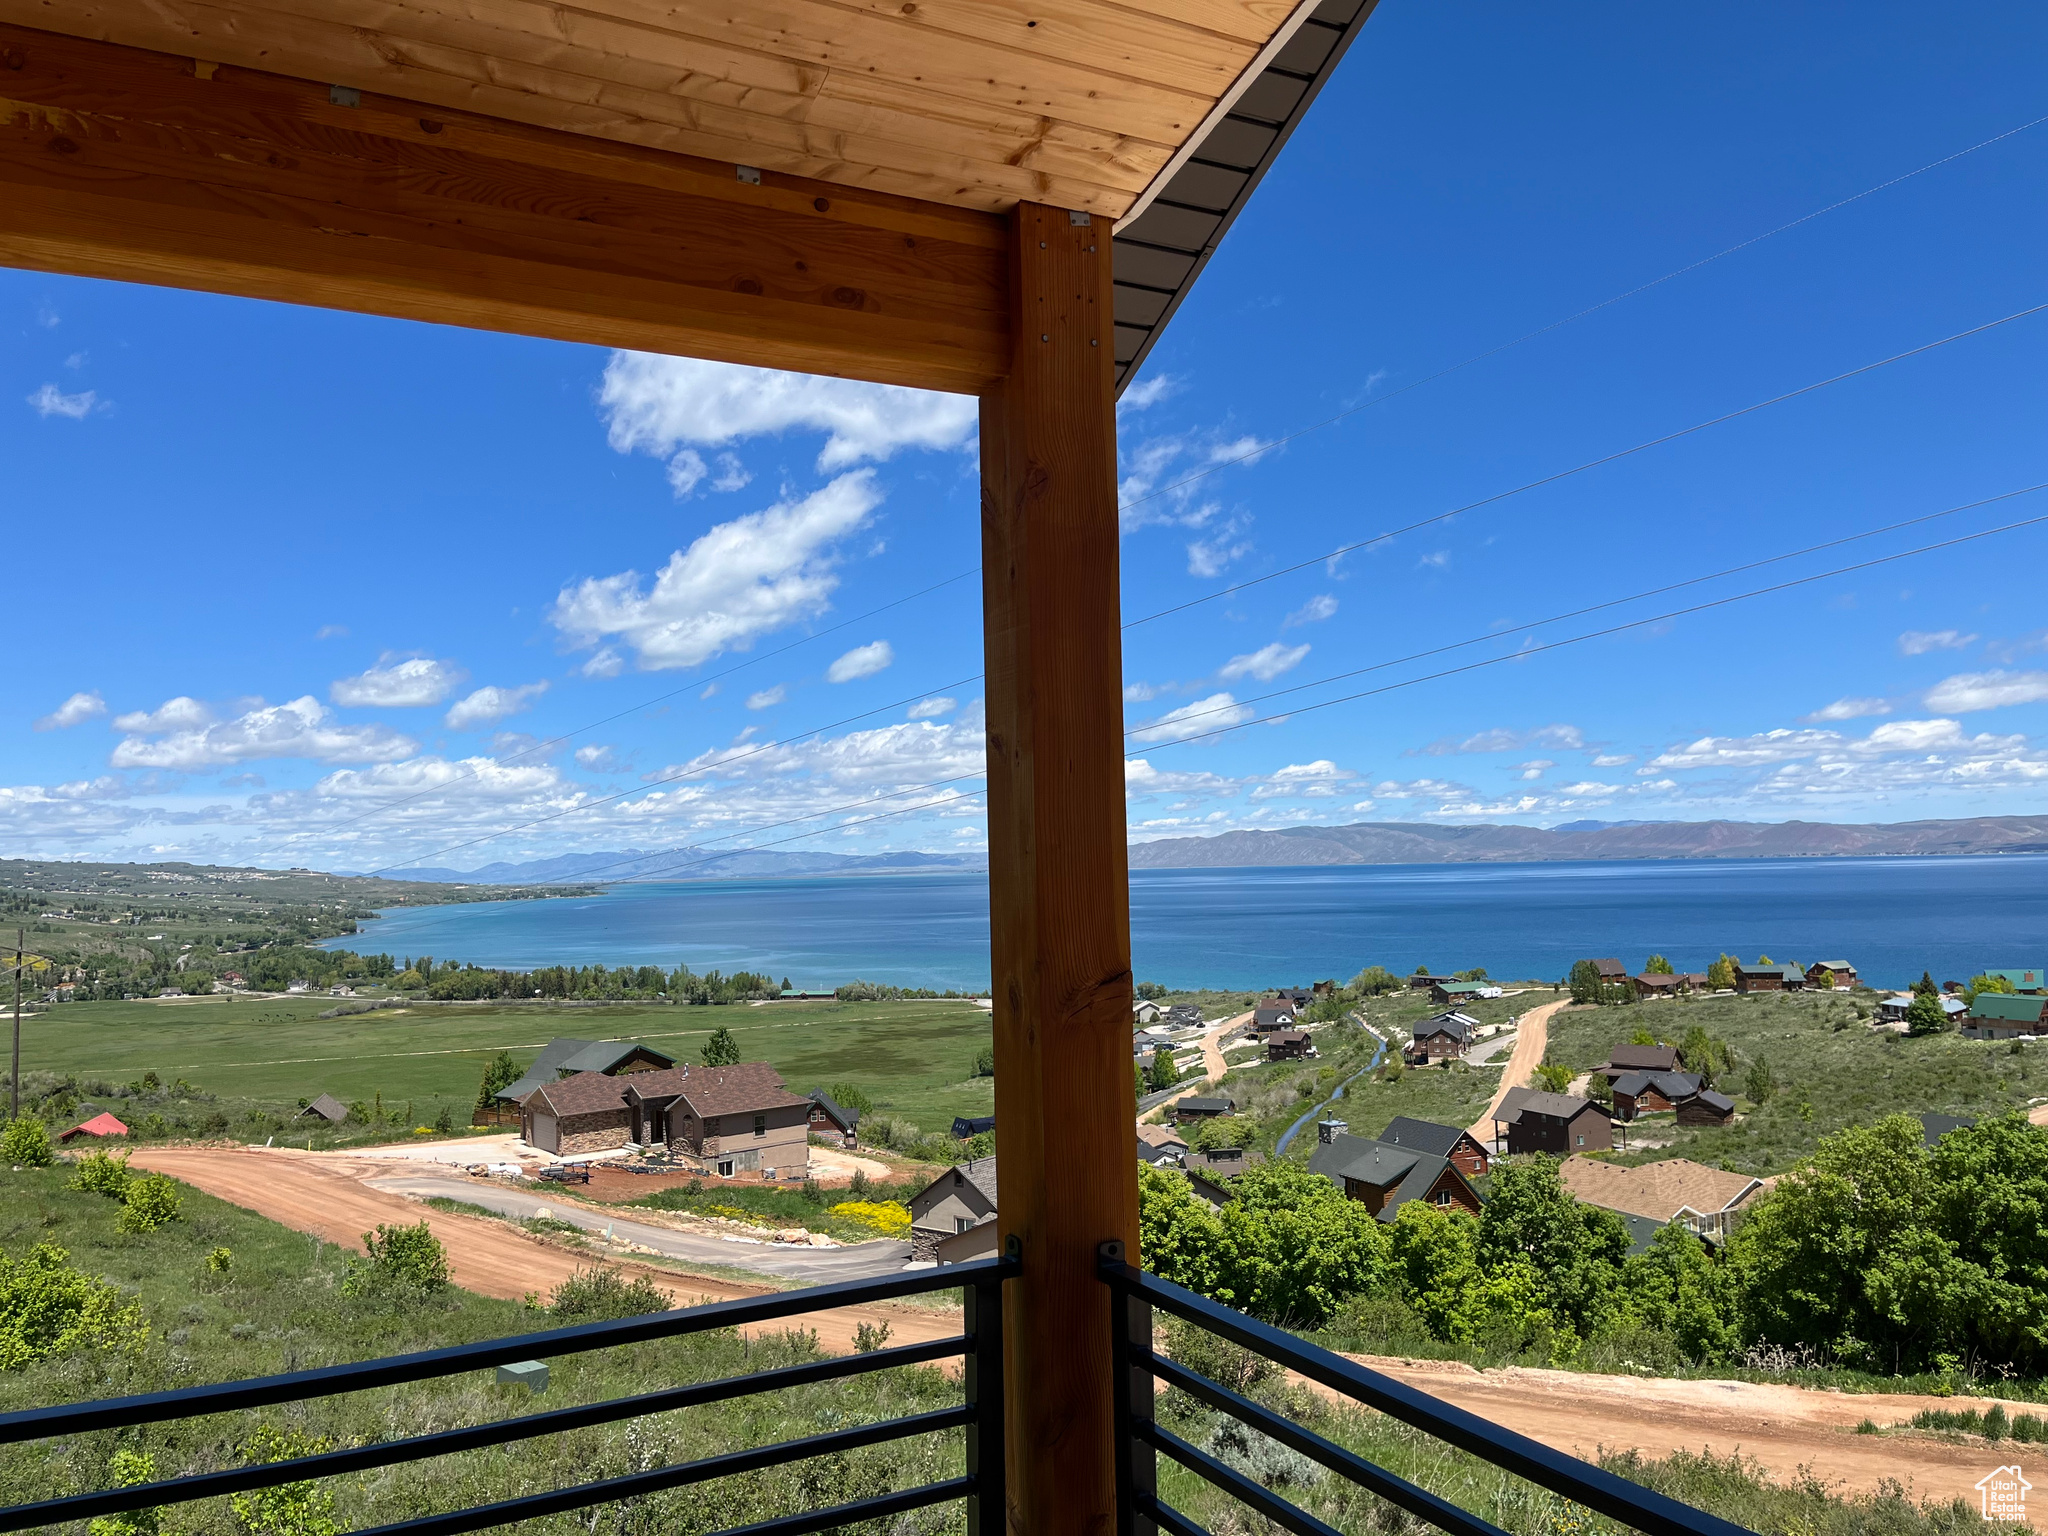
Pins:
x: 1213, y: 1066
x: 1532, y: 1039
x: 1785, y: 1428
x: 323, y: 1194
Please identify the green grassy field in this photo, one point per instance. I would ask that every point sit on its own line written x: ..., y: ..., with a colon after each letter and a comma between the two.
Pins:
x: 913, y: 1058
x: 1831, y: 1069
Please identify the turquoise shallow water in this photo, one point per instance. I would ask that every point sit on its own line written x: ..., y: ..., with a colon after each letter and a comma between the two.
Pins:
x: 1891, y: 918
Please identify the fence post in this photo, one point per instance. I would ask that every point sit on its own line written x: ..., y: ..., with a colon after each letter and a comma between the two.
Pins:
x: 983, y: 1377
x: 1137, y: 1462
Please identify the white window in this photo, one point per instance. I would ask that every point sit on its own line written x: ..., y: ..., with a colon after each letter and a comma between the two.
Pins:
x: 963, y: 1223
x: 725, y: 1168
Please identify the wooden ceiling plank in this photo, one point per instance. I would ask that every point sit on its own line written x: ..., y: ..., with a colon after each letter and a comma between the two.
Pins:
x: 314, y: 213
x: 84, y: 79
x: 1251, y: 21
x: 1086, y: 33
x: 844, y: 146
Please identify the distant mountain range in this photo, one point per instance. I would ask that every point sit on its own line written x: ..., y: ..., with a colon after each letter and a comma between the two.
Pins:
x: 634, y: 864
x: 1403, y: 842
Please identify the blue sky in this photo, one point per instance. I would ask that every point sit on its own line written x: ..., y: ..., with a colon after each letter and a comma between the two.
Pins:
x: 292, y: 587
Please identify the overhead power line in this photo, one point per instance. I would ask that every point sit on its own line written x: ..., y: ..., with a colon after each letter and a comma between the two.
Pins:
x: 1591, y: 309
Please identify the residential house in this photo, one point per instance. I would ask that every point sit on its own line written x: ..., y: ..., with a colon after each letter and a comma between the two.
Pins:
x: 1624, y: 1059
x: 978, y: 1242
x: 965, y: 1127
x: 1769, y: 978
x: 1650, y: 1093
x: 101, y: 1124
x: 341, y: 989
x: 1184, y: 1016
x: 1160, y: 1146
x: 1934, y: 1127
x: 1222, y: 1162
x: 1694, y: 981
x: 1447, y: 1035
x: 956, y: 1202
x: 327, y: 1107
x: 1144, y: 1012
x: 737, y: 1119
x: 1208, y: 1191
x: 1710, y: 1201
x: 1422, y: 981
x: 1325, y: 988
x: 300, y: 985
x: 832, y: 1121
x: 1202, y: 1109
x: 1446, y: 993
x: 563, y: 1057
x: 1271, y: 1015
x: 1449, y: 1141
x: 232, y: 979
x: 1527, y: 1120
x: 1386, y: 1177
x: 1300, y: 997
x: 1706, y: 1107
x: 1656, y: 984
x: 576, y: 1115
x: 1892, y: 1010
x: 1612, y: 971
x: 1288, y: 1045
x: 1843, y: 972
x: 2005, y: 1016
x: 2024, y: 979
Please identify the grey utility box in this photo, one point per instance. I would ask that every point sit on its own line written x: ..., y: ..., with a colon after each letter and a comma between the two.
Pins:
x: 531, y: 1374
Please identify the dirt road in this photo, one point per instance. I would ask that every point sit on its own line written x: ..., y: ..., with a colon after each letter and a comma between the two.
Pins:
x: 323, y: 1194
x: 1213, y: 1067
x: 1784, y: 1428
x: 1532, y: 1039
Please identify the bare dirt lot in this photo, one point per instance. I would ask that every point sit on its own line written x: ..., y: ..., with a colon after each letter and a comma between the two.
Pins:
x: 323, y: 1193
x: 1784, y: 1428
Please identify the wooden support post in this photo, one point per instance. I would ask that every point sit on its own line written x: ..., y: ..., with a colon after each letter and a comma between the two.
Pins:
x: 1058, y: 867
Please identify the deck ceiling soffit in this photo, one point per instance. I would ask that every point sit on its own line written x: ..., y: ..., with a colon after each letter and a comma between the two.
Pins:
x: 1160, y: 253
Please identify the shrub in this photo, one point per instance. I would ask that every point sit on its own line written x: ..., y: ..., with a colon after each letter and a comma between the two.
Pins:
x: 1230, y: 1366
x: 869, y: 1337
x: 100, y: 1173
x: 49, y: 1308
x: 26, y: 1143
x: 152, y: 1201
x: 290, y: 1509
x: 849, y: 1096
x: 220, y: 1262
x: 985, y: 1062
x: 888, y: 1217
x: 444, y: 1122
x: 1553, y: 1077
x: 405, y: 1261
x: 599, y: 1295
x: 130, y: 1469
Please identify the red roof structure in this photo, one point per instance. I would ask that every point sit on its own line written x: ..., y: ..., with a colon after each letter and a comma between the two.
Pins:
x: 102, y: 1124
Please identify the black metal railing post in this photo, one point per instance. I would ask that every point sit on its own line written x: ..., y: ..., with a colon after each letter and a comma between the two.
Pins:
x: 982, y: 1370
x: 1137, y: 1461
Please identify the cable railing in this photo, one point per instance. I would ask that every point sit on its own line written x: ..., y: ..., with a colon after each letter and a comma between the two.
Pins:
x: 1141, y: 1439
x: 979, y: 1345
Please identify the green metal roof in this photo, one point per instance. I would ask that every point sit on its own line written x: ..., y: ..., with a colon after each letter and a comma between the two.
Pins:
x: 2028, y: 979
x: 2005, y: 1007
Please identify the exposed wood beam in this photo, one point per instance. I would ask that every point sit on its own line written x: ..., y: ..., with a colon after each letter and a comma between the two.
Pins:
x: 120, y: 163
x: 1058, y: 868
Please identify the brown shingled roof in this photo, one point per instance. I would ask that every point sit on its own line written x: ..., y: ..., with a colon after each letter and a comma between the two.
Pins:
x: 587, y: 1093
x: 1656, y: 1190
x: 745, y: 1088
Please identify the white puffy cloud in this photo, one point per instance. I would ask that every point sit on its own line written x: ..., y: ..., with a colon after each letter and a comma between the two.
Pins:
x: 1918, y: 642
x: 470, y: 778
x: 1217, y: 712
x: 767, y: 698
x: 410, y: 684
x: 490, y: 704
x: 1849, y: 709
x: 1147, y: 393
x: 1613, y: 759
x: 76, y: 710
x: 1211, y: 556
x: 931, y: 709
x: 1501, y: 739
x: 594, y: 756
x: 1590, y: 788
x: 51, y: 401
x: 1142, y: 779
x: 1533, y: 769
x: 1139, y: 693
x: 1265, y: 664
x: 861, y: 661
x: 687, y: 470
x: 304, y: 728
x: 740, y: 580
x: 1742, y: 751
x: 1314, y: 611
x: 1968, y: 691
x: 659, y: 405
x: 179, y: 714
x: 1318, y: 780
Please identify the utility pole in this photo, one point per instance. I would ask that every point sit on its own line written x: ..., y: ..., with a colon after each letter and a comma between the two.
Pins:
x: 14, y: 1082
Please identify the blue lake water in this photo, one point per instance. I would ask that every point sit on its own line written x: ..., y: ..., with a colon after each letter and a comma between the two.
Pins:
x: 1232, y: 928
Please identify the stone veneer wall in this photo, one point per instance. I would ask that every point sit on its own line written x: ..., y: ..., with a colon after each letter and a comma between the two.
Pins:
x: 598, y: 1132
